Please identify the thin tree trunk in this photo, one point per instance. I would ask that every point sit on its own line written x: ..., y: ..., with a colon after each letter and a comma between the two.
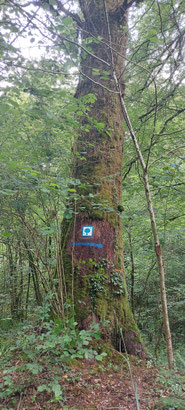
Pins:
x: 27, y: 295
x: 34, y: 273
x: 13, y: 283
x: 154, y: 230
x: 144, y: 289
x: 132, y: 268
x: 20, y: 290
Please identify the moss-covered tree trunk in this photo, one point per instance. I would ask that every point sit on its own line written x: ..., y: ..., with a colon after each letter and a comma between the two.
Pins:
x: 92, y: 239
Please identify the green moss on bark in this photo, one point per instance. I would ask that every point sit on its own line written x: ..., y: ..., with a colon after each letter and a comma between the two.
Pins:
x: 100, y: 145
x: 99, y: 297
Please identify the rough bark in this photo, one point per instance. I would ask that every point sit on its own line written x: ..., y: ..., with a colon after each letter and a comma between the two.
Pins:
x: 93, y: 266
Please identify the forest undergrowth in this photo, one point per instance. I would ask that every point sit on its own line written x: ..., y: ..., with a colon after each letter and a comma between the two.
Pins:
x: 50, y: 364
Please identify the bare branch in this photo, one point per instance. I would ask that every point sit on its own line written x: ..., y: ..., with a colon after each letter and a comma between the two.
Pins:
x: 68, y: 13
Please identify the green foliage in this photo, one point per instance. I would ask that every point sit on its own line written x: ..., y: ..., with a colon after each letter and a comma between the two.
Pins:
x: 116, y: 280
x: 53, y: 387
x: 169, y: 403
x: 55, y: 343
x: 101, y: 278
x: 37, y: 134
x: 39, y: 122
x: 171, y: 380
x: 174, y: 387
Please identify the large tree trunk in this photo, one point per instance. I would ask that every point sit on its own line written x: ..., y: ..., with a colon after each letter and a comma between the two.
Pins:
x: 93, y: 264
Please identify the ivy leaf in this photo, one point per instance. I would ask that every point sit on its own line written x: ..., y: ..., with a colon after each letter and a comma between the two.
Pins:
x: 100, y: 357
x: 34, y: 368
x: 43, y: 387
x: 56, y: 388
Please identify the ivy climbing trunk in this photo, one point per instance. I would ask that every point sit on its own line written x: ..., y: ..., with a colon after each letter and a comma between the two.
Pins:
x: 92, y: 238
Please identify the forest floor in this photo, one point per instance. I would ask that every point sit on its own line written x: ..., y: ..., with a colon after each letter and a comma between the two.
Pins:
x: 47, y: 366
x: 88, y: 384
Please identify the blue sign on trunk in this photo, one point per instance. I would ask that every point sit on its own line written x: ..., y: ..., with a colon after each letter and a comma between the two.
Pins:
x: 87, y: 231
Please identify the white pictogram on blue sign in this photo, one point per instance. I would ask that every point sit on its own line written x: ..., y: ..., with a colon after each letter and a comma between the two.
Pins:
x: 87, y: 231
